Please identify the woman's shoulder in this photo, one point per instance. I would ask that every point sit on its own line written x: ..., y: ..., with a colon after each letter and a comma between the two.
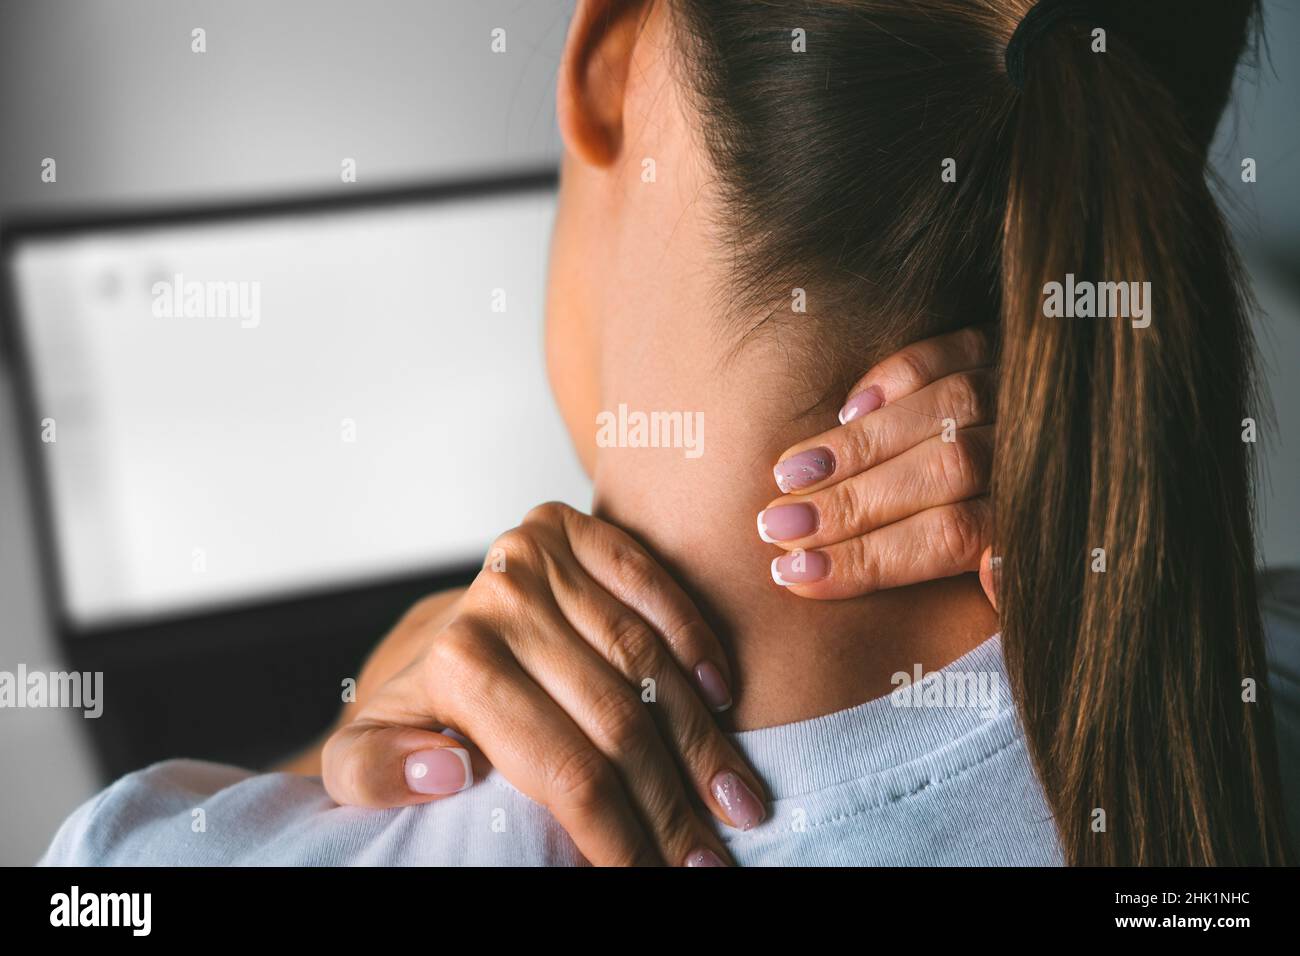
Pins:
x: 195, y: 813
x: 175, y: 813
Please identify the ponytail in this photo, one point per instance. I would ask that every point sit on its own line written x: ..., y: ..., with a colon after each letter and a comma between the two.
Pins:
x: 1122, y: 486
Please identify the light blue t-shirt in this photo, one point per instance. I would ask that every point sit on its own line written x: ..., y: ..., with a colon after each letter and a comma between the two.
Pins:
x: 932, y: 774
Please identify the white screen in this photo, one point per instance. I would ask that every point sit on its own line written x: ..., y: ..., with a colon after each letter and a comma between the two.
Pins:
x: 199, y: 460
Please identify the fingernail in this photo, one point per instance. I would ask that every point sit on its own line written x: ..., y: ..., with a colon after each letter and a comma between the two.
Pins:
x: 800, y: 567
x: 787, y: 522
x: 740, y: 805
x: 713, y: 688
x: 804, y: 469
x: 704, y: 858
x: 441, y: 770
x: 863, y: 403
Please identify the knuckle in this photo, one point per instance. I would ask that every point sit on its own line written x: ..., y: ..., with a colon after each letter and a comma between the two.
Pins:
x: 582, y: 780
x: 699, y: 744
x: 549, y: 512
x: 461, y: 656
x: 619, y: 722
x: 910, y: 369
x: 633, y: 647
x: 974, y: 341
x: 633, y: 569
x: 859, y: 442
x: 451, y: 649
x: 854, y: 504
x: 967, y: 398
x: 521, y: 546
x: 498, y: 590
x: 959, y: 534
x: 514, y: 582
x: 349, y: 782
x: 687, y: 638
x: 337, y: 774
x: 956, y: 468
x: 864, y: 563
x: 346, y: 774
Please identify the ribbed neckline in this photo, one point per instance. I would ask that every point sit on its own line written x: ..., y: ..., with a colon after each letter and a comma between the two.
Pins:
x: 798, y: 758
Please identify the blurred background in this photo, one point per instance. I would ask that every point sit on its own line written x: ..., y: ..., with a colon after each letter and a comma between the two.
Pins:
x: 274, y: 483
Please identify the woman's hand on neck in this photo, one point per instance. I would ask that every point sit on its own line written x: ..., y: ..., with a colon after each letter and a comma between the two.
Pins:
x: 794, y: 658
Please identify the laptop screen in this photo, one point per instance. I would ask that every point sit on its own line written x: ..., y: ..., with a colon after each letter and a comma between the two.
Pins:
x: 240, y: 409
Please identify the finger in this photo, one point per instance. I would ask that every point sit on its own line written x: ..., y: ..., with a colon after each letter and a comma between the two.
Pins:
x: 990, y: 570
x: 961, y: 400
x: 721, y: 779
x: 371, y: 764
x: 619, y: 565
x: 484, y: 693
x: 935, y: 472
x: 937, y: 543
x: 913, y: 367
x: 617, y: 722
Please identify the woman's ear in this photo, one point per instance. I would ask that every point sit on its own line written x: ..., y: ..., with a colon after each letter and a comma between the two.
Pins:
x: 593, y: 77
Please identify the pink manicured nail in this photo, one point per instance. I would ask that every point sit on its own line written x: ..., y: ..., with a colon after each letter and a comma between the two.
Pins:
x: 800, y: 567
x: 713, y: 688
x: 743, y: 809
x: 787, y: 522
x: 866, y: 401
x: 804, y: 469
x: 704, y: 857
x: 441, y: 770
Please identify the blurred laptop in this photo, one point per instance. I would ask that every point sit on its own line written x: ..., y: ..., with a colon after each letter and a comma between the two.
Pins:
x: 260, y: 431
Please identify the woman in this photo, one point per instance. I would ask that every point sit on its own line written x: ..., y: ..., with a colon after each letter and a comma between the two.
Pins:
x: 758, y: 201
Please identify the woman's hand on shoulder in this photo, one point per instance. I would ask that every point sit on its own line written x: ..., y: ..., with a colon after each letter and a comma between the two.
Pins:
x: 585, y: 676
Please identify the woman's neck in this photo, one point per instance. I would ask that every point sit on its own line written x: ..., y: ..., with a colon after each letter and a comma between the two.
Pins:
x: 648, y: 300
x: 695, y: 507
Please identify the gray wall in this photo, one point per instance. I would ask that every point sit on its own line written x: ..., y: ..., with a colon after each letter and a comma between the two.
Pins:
x: 286, y: 89
x: 410, y: 89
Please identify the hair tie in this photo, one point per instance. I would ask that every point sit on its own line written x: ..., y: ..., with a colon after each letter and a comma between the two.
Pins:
x: 1041, y: 17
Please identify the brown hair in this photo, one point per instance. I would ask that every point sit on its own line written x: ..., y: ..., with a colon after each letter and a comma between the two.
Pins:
x: 1129, y: 682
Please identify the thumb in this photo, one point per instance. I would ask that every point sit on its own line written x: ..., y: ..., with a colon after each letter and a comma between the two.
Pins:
x: 369, y: 764
x: 990, y: 573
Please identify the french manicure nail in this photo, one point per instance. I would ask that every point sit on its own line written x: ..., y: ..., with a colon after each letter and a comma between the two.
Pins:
x: 863, y: 403
x: 441, y: 770
x: 787, y: 522
x: 713, y: 688
x: 804, y: 469
x: 800, y: 567
x: 740, y: 805
x: 704, y: 857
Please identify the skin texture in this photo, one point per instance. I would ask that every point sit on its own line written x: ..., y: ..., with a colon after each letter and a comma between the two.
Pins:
x: 633, y: 317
